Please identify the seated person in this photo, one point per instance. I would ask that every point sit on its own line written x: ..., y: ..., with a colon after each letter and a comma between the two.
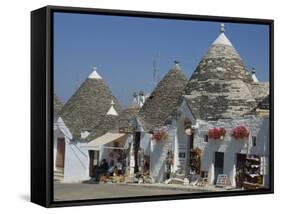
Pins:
x: 104, y: 166
x: 111, y: 167
x: 119, y: 168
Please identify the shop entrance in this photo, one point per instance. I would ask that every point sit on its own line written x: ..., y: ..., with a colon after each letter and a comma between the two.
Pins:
x: 240, y: 169
x: 136, y: 150
x: 219, y: 160
x: 60, y: 153
x: 94, y: 162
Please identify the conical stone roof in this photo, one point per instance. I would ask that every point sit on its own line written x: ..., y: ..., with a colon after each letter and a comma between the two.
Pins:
x: 215, y: 99
x: 57, y: 105
x: 221, y: 61
x: 218, y: 87
x: 88, y: 105
x: 163, y: 101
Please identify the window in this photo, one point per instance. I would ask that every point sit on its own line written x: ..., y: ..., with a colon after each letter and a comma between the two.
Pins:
x: 206, y: 138
x: 181, y: 154
x: 254, y: 140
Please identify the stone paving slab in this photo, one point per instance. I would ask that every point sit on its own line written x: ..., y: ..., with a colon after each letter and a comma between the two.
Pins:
x: 82, y: 191
x: 184, y: 187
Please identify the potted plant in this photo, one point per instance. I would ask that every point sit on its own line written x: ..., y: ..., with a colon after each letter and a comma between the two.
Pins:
x: 240, y: 132
x: 160, y: 135
x: 216, y: 133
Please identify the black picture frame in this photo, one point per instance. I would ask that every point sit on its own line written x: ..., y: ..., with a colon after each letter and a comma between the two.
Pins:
x: 42, y: 102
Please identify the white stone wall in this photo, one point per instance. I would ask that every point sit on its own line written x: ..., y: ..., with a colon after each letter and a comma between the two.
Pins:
x: 145, y: 142
x: 158, y: 156
x: 182, y: 140
x: 229, y: 146
x: 76, y: 158
x: 181, y: 146
x: 76, y: 166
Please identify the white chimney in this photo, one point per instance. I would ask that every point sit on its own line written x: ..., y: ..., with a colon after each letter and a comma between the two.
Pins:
x: 84, y: 134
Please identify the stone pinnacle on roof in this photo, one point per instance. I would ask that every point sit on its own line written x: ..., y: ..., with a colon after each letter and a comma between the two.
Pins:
x: 112, y: 110
x: 222, y: 39
x: 222, y: 28
x: 176, y: 65
x: 254, y: 77
x: 94, y: 74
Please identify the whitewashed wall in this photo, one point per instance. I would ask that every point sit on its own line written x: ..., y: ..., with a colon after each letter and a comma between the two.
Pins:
x: 257, y: 126
x: 182, y: 140
x: 76, y: 167
x: 158, y: 155
x: 145, y: 142
x: 181, y: 145
x: 76, y: 158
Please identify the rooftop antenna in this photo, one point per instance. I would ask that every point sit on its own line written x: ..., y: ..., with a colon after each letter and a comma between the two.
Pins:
x: 156, y: 70
x: 77, y: 81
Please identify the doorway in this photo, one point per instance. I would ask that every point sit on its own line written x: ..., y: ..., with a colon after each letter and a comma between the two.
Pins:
x: 219, y: 164
x: 136, y: 150
x: 94, y: 162
x: 240, y: 169
x: 60, y: 153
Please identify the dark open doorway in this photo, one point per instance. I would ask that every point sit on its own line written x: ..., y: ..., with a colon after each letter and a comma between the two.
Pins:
x: 219, y: 164
x: 137, y: 138
x: 94, y: 162
x: 60, y: 153
x: 240, y: 169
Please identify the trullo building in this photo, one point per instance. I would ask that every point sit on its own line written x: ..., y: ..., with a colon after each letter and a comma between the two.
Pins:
x: 83, y: 115
x: 216, y: 125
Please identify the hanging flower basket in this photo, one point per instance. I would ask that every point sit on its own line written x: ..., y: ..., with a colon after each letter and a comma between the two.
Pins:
x: 240, y: 132
x: 160, y: 135
x: 216, y: 133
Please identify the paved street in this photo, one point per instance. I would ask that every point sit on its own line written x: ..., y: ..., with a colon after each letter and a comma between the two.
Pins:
x: 79, y: 191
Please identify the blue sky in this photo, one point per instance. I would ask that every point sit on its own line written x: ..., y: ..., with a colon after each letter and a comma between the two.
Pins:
x: 124, y: 48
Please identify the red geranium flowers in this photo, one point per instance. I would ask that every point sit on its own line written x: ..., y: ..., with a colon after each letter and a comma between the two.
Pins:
x: 216, y: 133
x: 240, y: 132
x: 159, y: 135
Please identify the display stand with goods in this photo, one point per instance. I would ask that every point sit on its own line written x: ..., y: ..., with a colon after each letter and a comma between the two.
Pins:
x: 253, y: 177
x: 195, y: 160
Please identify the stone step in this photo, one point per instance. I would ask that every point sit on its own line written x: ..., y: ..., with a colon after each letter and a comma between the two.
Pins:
x: 59, y: 169
x: 58, y: 174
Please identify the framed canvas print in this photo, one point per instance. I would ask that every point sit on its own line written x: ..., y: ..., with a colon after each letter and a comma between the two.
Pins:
x: 140, y: 106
